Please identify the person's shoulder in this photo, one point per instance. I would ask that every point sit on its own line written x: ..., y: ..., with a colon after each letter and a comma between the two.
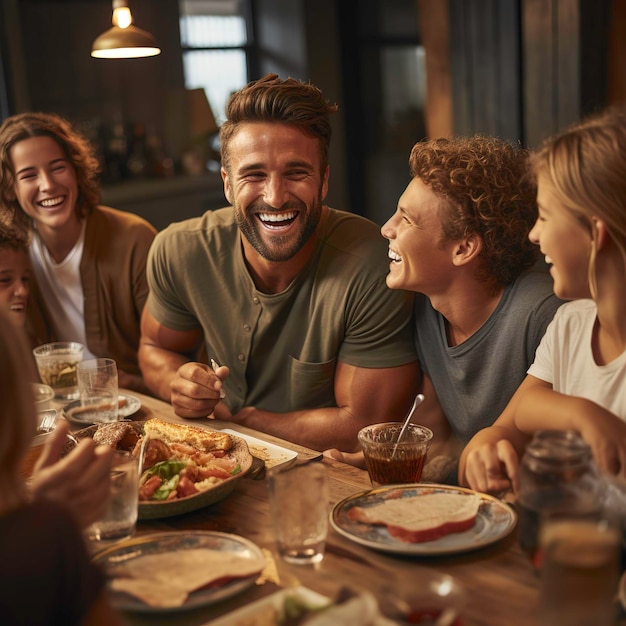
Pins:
x: 534, y: 281
x: 351, y: 232
x: 216, y: 227
x: 577, y: 310
x: 534, y: 288
x: 217, y: 219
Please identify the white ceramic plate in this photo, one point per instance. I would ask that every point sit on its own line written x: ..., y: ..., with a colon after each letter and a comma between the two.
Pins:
x: 265, y: 607
x: 174, y: 542
x: 272, y: 454
x: 495, y: 520
x: 128, y: 405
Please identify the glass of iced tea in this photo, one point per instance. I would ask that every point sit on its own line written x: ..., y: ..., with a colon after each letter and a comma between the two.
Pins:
x: 390, y: 461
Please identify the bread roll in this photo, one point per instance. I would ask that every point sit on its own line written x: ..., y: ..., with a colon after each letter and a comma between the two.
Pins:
x: 200, y: 438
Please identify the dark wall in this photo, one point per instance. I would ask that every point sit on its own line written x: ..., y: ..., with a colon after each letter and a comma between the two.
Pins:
x: 53, y: 69
x: 524, y: 69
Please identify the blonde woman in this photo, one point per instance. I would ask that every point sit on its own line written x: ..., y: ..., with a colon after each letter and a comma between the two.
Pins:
x: 578, y: 378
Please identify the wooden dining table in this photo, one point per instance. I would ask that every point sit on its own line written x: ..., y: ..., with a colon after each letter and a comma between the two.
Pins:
x: 501, y: 586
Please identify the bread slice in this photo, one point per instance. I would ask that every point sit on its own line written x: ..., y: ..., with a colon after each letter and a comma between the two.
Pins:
x: 166, y: 579
x: 200, y: 438
x: 421, y: 518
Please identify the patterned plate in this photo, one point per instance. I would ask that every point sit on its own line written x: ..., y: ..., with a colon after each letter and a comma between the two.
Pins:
x: 159, y: 543
x: 495, y: 520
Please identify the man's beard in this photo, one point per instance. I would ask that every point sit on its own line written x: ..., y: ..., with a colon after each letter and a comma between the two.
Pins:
x: 283, y: 248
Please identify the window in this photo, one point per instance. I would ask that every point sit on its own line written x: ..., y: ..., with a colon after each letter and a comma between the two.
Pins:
x: 216, y: 38
x: 385, y: 86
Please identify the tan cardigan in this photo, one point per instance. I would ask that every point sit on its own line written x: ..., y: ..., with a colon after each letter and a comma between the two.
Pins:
x: 113, y: 276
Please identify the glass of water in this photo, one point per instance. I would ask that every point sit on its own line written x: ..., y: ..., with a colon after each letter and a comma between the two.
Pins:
x: 120, y: 518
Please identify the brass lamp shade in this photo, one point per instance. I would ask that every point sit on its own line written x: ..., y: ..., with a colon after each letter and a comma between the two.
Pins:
x: 124, y: 43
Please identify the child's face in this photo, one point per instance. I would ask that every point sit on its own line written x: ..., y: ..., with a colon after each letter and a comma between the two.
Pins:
x: 45, y: 182
x: 565, y: 243
x: 14, y: 278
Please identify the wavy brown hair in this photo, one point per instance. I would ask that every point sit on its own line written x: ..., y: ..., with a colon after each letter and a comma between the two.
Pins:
x: 585, y: 168
x: 486, y: 189
x: 288, y: 101
x: 76, y: 148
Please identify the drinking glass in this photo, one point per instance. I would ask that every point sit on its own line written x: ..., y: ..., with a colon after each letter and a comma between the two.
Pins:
x: 579, y: 571
x: 389, y: 461
x: 120, y: 518
x: 97, y: 384
x: 57, y: 363
x: 299, y: 506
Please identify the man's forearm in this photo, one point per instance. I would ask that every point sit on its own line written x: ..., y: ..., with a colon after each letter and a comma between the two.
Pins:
x: 318, y: 429
x: 159, y: 368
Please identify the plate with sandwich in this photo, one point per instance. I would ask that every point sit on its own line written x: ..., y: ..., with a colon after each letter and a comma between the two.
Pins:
x: 184, y: 468
x: 179, y: 571
x: 423, y: 519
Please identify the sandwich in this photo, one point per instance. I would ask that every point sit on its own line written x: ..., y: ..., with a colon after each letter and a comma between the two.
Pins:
x: 199, y: 438
x: 166, y: 579
x: 421, y: 518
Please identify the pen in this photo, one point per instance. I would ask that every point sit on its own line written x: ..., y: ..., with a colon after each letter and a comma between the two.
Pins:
x: 215, y: 365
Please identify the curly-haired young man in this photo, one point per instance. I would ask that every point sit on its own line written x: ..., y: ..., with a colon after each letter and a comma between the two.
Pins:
x: 459, y: 238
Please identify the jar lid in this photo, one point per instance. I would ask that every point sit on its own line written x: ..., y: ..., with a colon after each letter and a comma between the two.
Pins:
x: 558, y: 446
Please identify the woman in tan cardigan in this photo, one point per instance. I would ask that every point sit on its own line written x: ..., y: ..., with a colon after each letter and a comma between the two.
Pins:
x: 88, y: 261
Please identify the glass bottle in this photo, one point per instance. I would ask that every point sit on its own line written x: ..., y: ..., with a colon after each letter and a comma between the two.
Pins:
x: 557, y: 477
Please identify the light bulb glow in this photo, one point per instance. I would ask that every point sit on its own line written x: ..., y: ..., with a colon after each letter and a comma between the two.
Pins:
x: 122, y: 17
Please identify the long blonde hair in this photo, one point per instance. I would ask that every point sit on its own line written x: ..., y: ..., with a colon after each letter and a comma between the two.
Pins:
x: 17, y: 412
x: 585, y: 167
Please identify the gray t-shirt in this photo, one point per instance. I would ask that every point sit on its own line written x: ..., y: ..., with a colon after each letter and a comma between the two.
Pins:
x: 475, y: 380
x: 282, y: 349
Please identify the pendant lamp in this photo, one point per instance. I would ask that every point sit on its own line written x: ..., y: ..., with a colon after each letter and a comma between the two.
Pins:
x: 124, y: 41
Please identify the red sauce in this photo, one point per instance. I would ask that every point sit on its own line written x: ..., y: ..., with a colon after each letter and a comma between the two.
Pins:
x: 400, y: 469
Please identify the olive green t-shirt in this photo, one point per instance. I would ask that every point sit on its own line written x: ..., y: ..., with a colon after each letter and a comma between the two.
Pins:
x: 282, y: 349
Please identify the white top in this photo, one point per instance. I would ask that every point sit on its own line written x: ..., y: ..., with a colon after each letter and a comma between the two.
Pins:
x: 565, y: 359
x: 61, y: 288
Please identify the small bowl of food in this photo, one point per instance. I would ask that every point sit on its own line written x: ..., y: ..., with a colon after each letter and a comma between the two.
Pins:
x: 43, y: 396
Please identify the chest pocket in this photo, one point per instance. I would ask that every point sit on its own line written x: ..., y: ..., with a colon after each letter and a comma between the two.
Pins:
x: 311, y: 385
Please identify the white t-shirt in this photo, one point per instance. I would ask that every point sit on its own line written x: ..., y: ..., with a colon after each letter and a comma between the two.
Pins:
x: 61, y: 288
x: 565, y: 359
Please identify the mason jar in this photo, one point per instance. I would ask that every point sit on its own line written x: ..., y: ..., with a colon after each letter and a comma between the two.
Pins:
x: 557, y: 478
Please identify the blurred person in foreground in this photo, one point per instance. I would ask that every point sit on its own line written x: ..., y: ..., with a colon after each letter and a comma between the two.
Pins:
x: 88, y: 261
x: 459, y: 240
x: 578, y: 378
x: 45, y: 567
x: 81, y: 478
x: 287, y: 294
